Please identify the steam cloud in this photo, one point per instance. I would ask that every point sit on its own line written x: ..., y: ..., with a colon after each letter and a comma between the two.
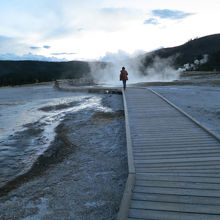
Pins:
x: 159, y: 70
x: 195, y: 64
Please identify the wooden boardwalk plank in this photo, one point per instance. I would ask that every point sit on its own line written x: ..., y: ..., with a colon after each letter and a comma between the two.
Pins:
x: 177, y: 191
x: 168, y: 215
x: 176, y: 198
x: 195, y: 163
x: 176, y: 207
x: 173, y: 178
x: 185, y: 174
x: 175, y: 160
x: 186, y: 185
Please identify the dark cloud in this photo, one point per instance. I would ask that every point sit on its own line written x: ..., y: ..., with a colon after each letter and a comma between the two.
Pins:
x: 46, y: 47
x: 151, y: 21
x: 35, y: 48
x: 170, y: 14
x: 64, y: 53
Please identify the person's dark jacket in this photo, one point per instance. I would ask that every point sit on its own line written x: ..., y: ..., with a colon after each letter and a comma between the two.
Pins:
x: 124, y: 75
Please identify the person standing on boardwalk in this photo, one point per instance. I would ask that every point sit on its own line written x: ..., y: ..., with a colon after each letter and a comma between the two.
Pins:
x: 124, y: 77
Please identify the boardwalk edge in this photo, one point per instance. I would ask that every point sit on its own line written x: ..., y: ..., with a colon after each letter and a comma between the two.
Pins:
x: 125, y: 202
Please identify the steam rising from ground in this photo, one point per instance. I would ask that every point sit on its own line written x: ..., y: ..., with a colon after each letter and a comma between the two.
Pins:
x: 159, y: 70
x: 162, y: 70
x: 195, y: 64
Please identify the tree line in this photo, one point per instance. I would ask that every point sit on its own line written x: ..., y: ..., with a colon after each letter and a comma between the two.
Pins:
x: 25, y: 72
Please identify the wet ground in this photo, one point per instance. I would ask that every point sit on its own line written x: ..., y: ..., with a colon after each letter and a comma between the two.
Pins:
x: 82, y: 173
x: 29, y: 116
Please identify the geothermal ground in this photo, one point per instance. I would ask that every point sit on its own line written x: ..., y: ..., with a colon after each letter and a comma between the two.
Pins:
x: 85, y: 177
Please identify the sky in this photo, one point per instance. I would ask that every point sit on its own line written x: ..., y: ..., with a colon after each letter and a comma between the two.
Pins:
x: 57, y: 30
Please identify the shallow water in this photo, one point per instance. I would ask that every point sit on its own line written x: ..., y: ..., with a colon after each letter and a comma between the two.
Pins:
x: 28, y: 118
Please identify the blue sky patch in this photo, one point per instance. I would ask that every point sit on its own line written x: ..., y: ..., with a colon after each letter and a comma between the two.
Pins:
x: 151, y: 21
x: 170, y: 14
x: 46, y: 47
x: 64, y: 53
x: 34, y: 48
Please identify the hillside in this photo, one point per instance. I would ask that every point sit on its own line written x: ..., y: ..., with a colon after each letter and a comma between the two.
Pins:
x: 191, y: 51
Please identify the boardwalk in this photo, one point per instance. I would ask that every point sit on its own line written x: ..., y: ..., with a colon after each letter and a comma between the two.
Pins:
x: 174, y: 164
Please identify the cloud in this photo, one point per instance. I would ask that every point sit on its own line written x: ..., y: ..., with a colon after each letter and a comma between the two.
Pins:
x: 116, y: 11
x: 37, y: 48
x: 13, y: 49
x: 151, y: 21
x: 72, y: 25
x: 12, y: 45
x: 110, y: 19
x: 64, y: 53
x: 159, y: 14
x: 4, y: 39
x: 170, y: 14
x: 29, y: 56
x: 55, y: 19
x: 120, y: 56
